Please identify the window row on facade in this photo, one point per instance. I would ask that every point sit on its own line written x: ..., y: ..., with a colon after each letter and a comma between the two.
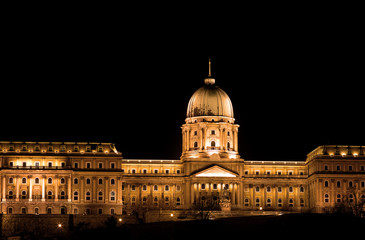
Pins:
x: 270, y: 172
x: 344, y: 183
x: 344, y: 197
x: 343, y: 167
x: 269, y: 202
x: 153, y: 201
x: 155, y: 187
x: 62, y: 164
x: 63, y: 148
x: 62, y: 180
x: 61, y: 210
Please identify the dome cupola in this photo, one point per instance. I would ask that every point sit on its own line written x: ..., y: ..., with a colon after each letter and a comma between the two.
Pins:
x: 210, y: 100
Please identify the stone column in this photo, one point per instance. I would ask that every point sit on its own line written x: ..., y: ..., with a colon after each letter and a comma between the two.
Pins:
x: 233, y: 194
x: 192, y: 195
x: 119, y: 192
x: 4, y: 189
x: 106, y: 195
x: 17, y: 178
x: 43, y: 188
x: 82, y: 189
x: 30, y: 188
x: 187, y: 192
x: 56, y: 188
x: 94, y: 190
x: 69, y: 188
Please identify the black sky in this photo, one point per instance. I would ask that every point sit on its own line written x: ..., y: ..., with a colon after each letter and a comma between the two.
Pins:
x: 295, y: 78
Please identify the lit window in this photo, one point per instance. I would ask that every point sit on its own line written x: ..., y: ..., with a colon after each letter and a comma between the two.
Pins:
x: 326, y: 198
x: 88, y: 196
x: 112, y: 196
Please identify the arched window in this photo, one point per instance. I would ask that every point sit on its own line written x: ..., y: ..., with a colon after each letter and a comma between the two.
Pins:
x: 339, y: 198
x: 178, y: 201
x: 212, y: 143
x: 62, y: 180
x: 36, y: 180
x: 62, y: 196
x: 167, y: 188
x: 155, y: 187
x: 88, y: 194
x: 100, y: 195
x: 326, y: 184
x: 100, y: 181
x: 76, y: 181
x: 76, y: 195
x: 63, y: 210
x: 195, y: 144
x: 49, y: 181
x: 326, y: 198
x: 10, y: 195
x: 10, y: 210
x: 24, y: 180
x: 228, y: 145
x: 11, y: 180
x: 49, y: 195
x: 24, y: 195
x: 257, y: 202
x: 112, y: 196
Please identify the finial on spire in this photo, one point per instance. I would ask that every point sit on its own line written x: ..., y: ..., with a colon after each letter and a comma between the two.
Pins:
x: 209, y: 80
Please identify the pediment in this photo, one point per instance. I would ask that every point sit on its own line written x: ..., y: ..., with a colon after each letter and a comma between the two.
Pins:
x: 215, y: 171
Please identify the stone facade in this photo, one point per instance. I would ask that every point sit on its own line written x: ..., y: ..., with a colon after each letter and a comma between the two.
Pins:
x: 93, y: 178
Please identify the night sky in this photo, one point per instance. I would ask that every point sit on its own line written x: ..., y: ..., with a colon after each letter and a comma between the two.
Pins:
x: 296, y: 80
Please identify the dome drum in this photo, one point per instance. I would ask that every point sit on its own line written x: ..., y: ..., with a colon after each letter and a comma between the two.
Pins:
x: 210, y: 119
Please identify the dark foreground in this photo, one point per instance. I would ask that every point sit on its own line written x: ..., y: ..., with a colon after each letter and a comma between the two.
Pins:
x: 288, y: 226
x: 284, y: 227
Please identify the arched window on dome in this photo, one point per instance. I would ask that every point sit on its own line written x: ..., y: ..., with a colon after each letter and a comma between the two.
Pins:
x: 212, y: 143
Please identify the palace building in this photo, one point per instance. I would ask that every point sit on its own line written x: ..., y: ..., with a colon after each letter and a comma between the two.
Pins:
x: 93, y: 178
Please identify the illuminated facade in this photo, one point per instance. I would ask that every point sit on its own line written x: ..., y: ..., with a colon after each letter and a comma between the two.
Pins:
x: 93, y: 178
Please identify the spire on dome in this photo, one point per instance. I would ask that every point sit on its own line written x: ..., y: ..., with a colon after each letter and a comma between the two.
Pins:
x: 209, y: 80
